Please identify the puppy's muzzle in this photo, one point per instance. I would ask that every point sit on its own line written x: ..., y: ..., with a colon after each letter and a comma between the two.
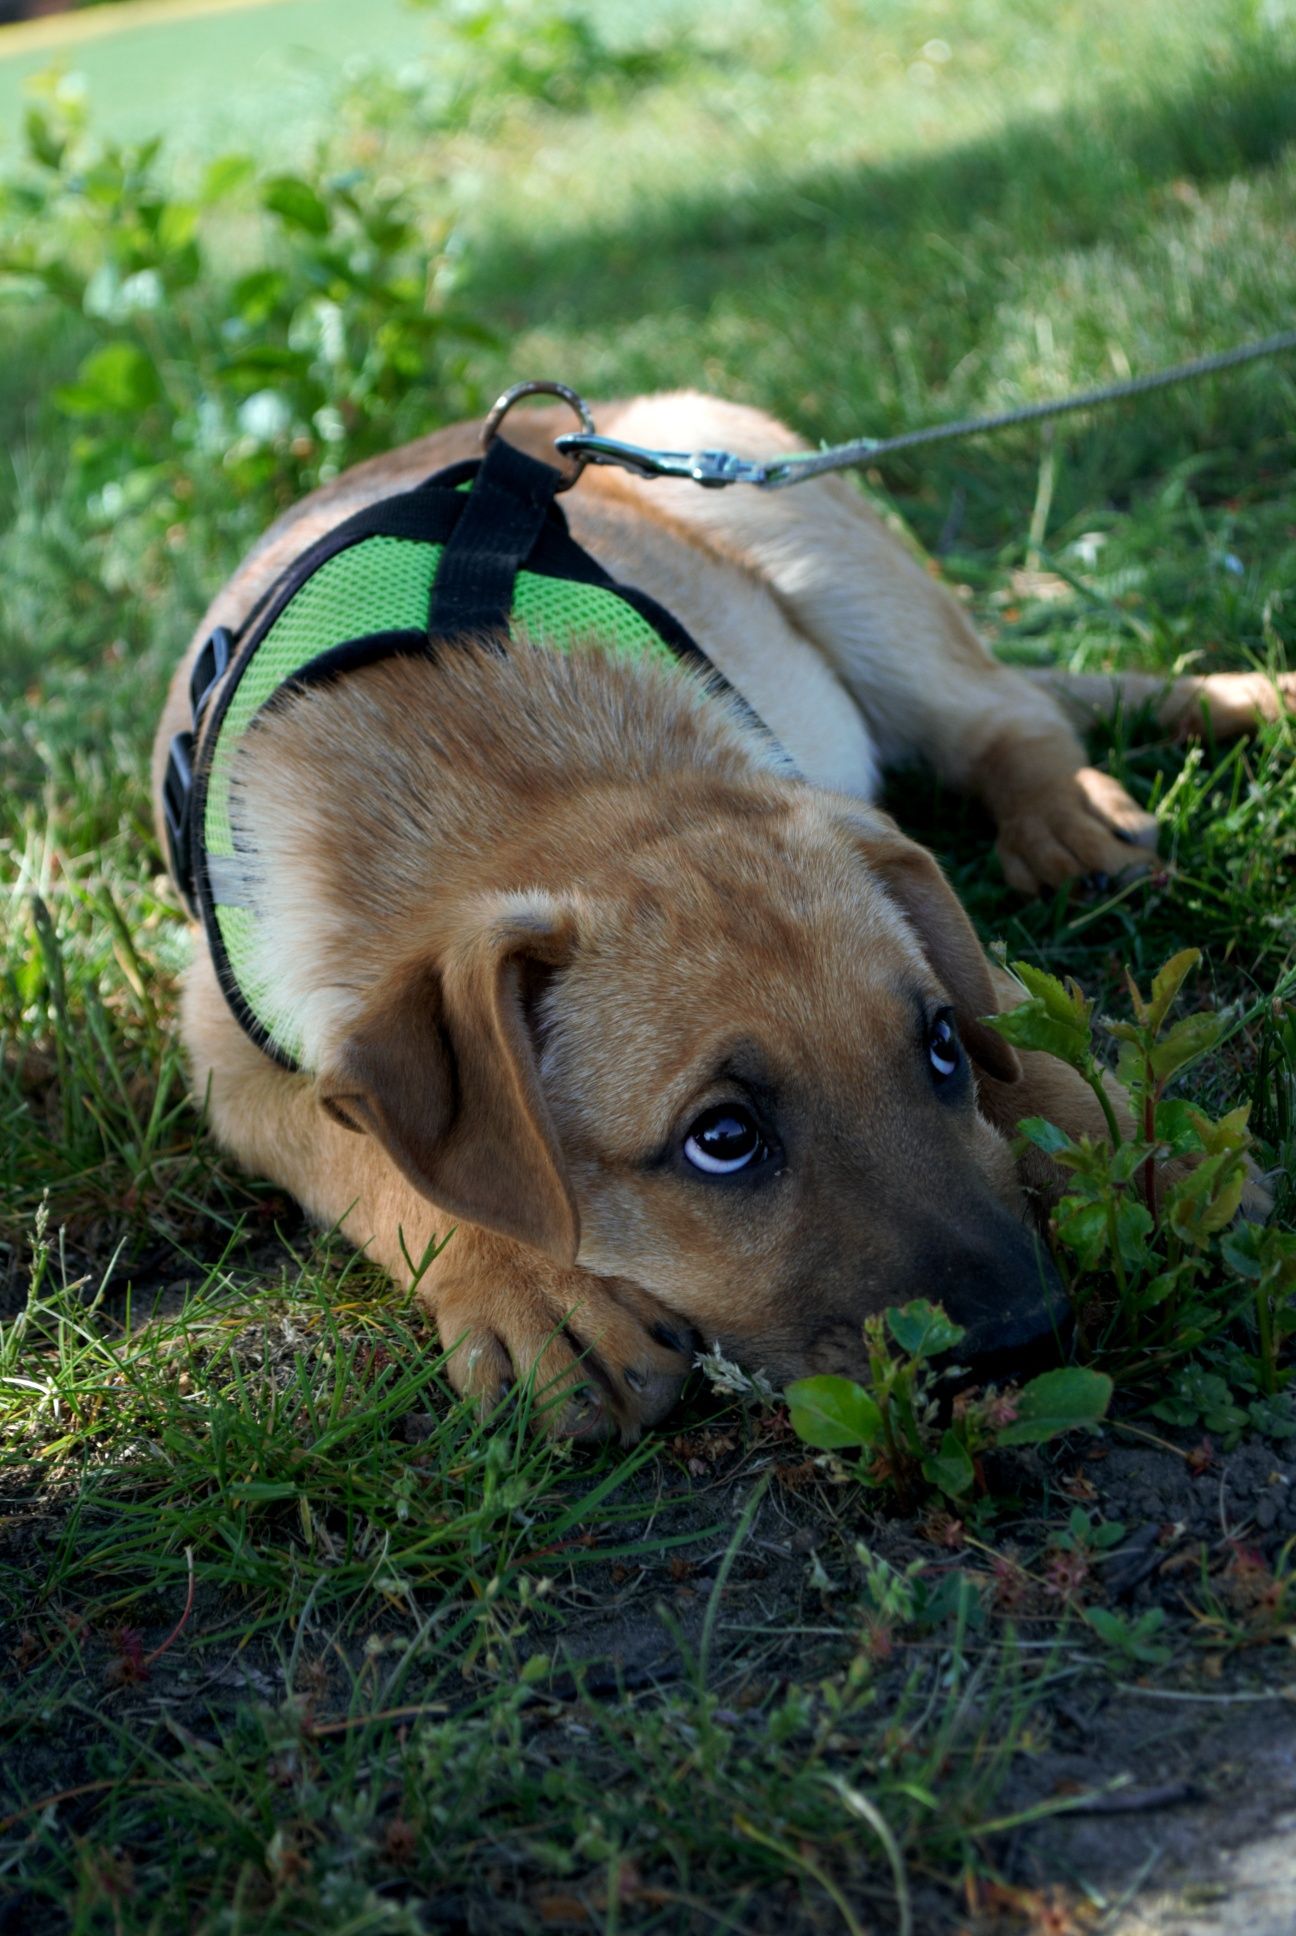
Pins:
x: 996, y: 1280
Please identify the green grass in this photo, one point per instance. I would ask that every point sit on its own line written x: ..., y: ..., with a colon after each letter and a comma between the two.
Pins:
x: 435, y: 1672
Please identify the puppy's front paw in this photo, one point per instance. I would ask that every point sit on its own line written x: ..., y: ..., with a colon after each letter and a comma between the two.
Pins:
x: 1080, y: 824
x: 606, y: 1358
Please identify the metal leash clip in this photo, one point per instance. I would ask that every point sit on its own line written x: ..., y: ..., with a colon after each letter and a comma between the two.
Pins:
x: 711, y: 468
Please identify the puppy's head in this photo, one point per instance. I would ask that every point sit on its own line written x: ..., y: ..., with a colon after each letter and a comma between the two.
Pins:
x: 738, y: 1068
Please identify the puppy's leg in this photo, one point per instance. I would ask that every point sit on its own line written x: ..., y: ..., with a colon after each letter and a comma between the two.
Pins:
x: 911, y: 661
x: 619, y: 1358
x: 1223, y: 703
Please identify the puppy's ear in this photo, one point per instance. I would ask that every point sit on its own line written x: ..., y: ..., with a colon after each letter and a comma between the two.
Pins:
x: 913, y: 880
x: 442, y: 1070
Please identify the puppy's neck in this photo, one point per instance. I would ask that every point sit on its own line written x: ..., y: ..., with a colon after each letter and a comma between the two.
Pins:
x: 369, y: 812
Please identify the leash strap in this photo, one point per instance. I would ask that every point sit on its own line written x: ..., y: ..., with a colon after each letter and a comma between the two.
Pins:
x: 714, y: 469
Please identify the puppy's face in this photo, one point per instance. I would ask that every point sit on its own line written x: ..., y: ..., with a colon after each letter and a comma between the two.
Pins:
x: 739, y: 1070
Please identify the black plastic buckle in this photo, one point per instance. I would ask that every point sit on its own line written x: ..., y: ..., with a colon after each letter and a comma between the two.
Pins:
x: 209, y: 667
x: 177, y: 797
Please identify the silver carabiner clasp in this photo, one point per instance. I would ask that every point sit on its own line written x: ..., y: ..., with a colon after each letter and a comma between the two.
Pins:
x: 711, y: 468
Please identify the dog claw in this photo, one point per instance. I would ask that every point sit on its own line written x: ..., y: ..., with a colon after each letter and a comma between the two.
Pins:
x: 612, y: 1369
x: 583, y: 1415
x: 670, y: 1340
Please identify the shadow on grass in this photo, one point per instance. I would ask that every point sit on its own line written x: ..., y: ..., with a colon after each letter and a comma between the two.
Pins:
x: 1064, y: 181
x: 900, y: 291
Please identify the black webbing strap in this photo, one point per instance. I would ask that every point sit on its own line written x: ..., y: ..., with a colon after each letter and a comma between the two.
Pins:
x: 506, y: 508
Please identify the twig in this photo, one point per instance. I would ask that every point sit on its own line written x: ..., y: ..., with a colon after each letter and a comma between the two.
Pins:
x: 1134, y: 1801
x: 178, y: 1629
x: 1287, y: 1694
x: 315, y: 1730
x: 84, y: 1788
x: 1137, y: 1431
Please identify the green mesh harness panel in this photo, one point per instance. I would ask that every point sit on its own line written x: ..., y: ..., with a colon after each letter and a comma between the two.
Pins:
x: 389, y: 577
x: 364, y: 585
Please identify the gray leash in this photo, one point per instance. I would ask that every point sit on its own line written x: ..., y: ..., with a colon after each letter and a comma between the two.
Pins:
x: 715, y: 468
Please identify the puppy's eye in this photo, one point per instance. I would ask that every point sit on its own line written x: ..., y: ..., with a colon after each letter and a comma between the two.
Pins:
x: 943, y: 1047
x: 724, y: 1140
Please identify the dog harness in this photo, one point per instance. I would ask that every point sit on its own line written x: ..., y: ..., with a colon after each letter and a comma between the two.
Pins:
x: 464, y: 558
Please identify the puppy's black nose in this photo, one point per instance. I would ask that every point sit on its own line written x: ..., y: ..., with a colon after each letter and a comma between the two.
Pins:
x: 1005, y: 1293
x: 1026, y: 1338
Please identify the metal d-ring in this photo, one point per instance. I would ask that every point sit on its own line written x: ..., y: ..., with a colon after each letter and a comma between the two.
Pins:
x: 503, y: 404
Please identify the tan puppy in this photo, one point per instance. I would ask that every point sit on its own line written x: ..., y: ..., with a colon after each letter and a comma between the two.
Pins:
x: 677, y: 1039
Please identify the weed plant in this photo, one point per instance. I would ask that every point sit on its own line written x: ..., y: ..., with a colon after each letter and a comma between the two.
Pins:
x: 895, y: 1420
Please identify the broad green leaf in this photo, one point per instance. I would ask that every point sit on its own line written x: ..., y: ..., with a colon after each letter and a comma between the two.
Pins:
x: 1082, y: 1227
x: 44, y: 144
x: 1125, y: 1163
x: 1062, y: 1000
x: 833, y: 1412
x: 922, y: 1329
x: 1229, y: 1133
x: 1207, y: 1199
x: 297, y: 204
x: 1044, y: 1135
x: 1110, y: 1627
x: 176, y: 224
x: 1056, y: 1402
x: 1167, y: 982
x: 1133, y: 1227
x: 1158, y: 1288
x: 1273, y: 1416
x: 1030, y: 1026
x: 1262, y: 1253
x: 1241, y: 1251
x: 1134, y: 1638
x: 255, y: 296
x: 224, y: 175
x: 1131, y: 1063
x: 1176, y: 1126
x: 951, y: 1467
x: 1198, y: 1184
x: 1185, y: 1042
x: 117, y: 377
